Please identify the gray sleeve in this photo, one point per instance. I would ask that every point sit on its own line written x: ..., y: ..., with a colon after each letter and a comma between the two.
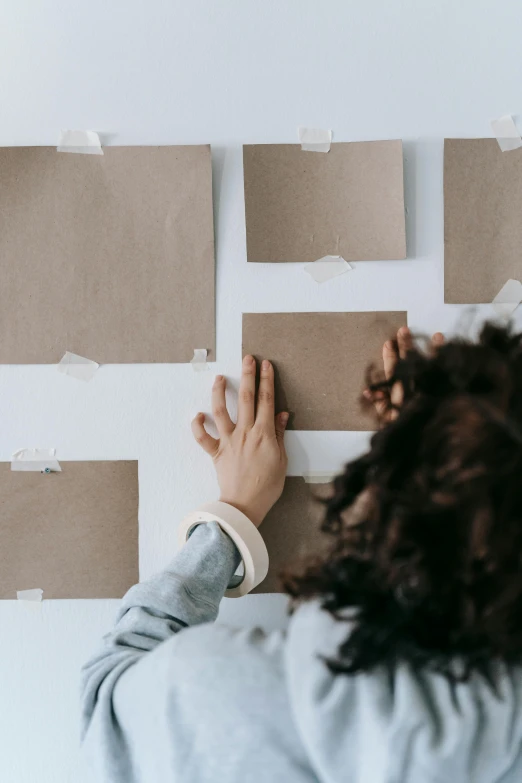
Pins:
x: 187, y: 593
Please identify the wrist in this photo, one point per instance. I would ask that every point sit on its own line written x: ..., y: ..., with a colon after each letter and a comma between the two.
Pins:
x: 243, y: 534
x: 249, y: 511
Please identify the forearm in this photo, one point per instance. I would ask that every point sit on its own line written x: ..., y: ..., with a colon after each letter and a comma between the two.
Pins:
x: 187, y: 593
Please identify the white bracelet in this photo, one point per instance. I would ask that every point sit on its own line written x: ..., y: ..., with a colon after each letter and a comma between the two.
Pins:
x: 243, y: 533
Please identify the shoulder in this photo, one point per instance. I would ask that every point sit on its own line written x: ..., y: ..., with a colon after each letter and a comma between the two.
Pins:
x: 249, y: 656
x: 314, y: 634
x: 214, y: 699
x: 231, y: 684
x: 208, y: 670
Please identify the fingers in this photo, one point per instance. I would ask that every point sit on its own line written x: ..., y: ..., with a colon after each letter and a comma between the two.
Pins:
x: 397, y: 395
x: 280, y: 422
x: 206, y: 441
x: 404, y: 341
x: 380, y: 399
x: 219, y: 407
x: 247, y: 394
x: 390, y: 354
x: 389, y: 358
x: 380, y: 402
x: 265, y: 396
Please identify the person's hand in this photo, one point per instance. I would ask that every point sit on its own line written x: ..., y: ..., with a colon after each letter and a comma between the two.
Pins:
x: 250, y: 456
x: 391, y: 352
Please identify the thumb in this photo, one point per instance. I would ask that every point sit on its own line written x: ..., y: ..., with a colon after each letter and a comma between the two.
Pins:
x: 281, y: 420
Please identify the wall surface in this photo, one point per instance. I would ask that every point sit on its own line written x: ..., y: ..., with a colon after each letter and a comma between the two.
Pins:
x: 229, y: 72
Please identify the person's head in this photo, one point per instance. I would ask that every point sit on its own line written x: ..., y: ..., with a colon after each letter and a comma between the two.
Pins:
x: 426, y: 528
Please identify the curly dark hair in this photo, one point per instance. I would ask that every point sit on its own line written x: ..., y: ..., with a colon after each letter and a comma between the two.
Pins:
x: 426, y: 528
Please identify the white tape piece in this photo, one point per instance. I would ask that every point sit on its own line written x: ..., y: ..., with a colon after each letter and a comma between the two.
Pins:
x: 506, y: 133
x: 83, y: 142
x: 77, y: 366
x: 199, y: 360
x: 327, y: 267
x: 315, y: 139
x: 319, y: 477
x: 29, y: 595
x: 508, y: 298
x: 41, y: 460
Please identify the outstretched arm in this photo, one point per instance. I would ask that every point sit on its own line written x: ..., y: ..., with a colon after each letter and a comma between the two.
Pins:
x: 250, y: 462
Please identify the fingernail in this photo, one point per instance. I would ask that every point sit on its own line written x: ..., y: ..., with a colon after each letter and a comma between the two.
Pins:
x: 388, y: 345
x: 219, y: 378
x: 266, y: 364
x: 284, y: 418
x: 367, y: 393
x: 248, y: 359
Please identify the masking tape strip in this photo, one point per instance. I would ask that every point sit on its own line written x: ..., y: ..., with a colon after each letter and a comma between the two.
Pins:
x: 83, y: 142
x: 326, y: 268
x: 506, y: 133
x: 319, y: 477
x: 30, y: 595
x: 315, y: 139
x: 508, y: 298
x: 243, y: 533
x: 77, y: 366
x: 199, y: 360
x: 36, y: 460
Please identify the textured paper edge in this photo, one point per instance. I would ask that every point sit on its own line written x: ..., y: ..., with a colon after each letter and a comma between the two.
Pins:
x: 326, y: 268
x: 80, y: 141
x: 314, y: 139
x: 506, y: 133
x: 77, y: 366
x: 199, y: 360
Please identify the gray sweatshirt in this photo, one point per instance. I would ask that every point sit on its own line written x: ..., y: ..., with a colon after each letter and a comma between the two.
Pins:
x: 173, y: 697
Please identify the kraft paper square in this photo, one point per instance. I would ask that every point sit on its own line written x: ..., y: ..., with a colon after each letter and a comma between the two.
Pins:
x: 72, y: 534
x: 110, y: 257
x: 482, y: 224
x: 301, y: 206
x: 321, y: 362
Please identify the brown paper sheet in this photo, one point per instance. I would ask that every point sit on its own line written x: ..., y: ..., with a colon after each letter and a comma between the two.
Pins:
x: 291, y: 529
x: 110, y: 257
x: 301, y: 206
x: 73, y: 534
x: 482, y: 225
x: 320, y: 361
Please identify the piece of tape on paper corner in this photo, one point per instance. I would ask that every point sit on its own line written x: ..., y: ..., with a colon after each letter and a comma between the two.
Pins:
x: 314, y: 139
x: 35, y: 460
x: 506, y: 133
x: 34, y: 595
x: 326, y: 268
x: 199, y: 360
x: 508, y: 298
x: 319, y: 477
x: 77, y: 366
x: 79, y: 141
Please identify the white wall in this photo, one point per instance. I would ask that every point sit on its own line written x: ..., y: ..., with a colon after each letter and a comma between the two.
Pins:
x: 228, y: 72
